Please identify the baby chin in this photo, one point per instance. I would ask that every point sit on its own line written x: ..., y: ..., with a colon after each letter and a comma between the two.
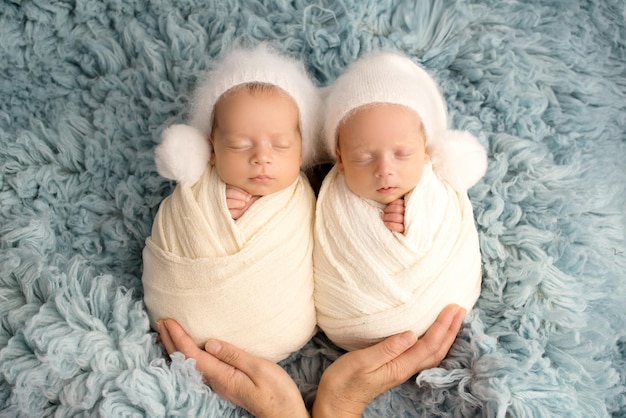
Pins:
x: 263, y: 185
x: 388, y: 194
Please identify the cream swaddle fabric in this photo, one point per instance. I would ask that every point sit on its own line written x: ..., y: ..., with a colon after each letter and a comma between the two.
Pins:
x: 248, y: 282
x: 371, y: 282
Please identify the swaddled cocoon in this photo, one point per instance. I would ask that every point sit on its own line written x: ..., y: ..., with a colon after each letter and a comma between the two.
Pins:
x: 248, y: 282
x: 371, y: 282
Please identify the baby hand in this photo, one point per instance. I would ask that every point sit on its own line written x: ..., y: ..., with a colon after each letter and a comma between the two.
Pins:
x: 238, y: 201
x: 393, y: 215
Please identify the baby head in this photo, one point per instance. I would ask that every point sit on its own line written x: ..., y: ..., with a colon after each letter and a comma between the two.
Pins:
x: 381, y: 150
x: 258, y: 110
x: 255, y: 138
x: 381, y: 115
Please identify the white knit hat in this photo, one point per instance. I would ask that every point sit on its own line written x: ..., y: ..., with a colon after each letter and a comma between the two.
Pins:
x: 185, y: 150
x: 388, y: 77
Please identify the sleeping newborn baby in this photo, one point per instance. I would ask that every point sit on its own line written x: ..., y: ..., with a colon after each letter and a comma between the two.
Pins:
x: 230, y: 255
x: 395, y: 234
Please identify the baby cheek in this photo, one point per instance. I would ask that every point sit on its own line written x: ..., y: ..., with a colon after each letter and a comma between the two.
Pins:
x: 360, y: 183
x: 413, y: 176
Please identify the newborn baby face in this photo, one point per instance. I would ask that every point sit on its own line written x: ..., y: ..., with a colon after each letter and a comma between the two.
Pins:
x: 256, y: 140
x: 381, y: 151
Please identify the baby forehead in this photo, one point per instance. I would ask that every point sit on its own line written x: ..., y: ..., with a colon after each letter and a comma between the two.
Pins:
x: 252, y: 91
x: 383, y: 116
x: 381, y: 122
x: 254, y: 88
x: 254, y: 102
x: 373, y: 144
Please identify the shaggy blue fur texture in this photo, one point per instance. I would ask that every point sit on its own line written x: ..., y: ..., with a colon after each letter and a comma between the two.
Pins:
x: 87, y: 86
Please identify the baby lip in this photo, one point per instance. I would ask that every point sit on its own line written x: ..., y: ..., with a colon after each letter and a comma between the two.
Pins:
x: 386, y: 189
x: 261, y: 178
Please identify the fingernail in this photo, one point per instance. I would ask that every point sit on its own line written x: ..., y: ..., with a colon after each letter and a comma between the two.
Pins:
x: 159, y: 325
x: 213, y: 347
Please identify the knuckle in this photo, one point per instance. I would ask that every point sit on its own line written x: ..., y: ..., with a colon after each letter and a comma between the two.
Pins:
x: 229, y: 356
x: 396, y: 374
x: 357, y: 363
x: 392, y: 348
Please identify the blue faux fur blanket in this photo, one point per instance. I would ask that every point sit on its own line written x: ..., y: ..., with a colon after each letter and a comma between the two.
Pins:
x: 87, y: 86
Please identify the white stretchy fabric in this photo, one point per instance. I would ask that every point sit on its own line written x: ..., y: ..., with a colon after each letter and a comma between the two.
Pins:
x: 248, y: 282
x: 370, y: 282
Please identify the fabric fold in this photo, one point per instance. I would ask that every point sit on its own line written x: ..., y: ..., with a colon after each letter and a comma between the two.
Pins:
x: 371, y: 282
x: 248, y: 282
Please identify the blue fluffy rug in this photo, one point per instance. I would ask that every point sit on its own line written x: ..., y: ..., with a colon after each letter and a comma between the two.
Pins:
x: 87, y: 86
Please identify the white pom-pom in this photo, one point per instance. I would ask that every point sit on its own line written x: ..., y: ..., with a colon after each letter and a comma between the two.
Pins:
x: 458, y: 158
x: 182, y: 154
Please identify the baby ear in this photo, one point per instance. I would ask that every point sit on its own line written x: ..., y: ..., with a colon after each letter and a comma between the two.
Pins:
x: 458, y: 158
x: 338, y: 159
x: 183, y: 154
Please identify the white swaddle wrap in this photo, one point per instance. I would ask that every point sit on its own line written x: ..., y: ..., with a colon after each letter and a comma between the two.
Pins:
x: 248, y: 282
x: 371, y: 282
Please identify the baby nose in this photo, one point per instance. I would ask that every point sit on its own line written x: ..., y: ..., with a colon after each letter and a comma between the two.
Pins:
x: 262, y: 156
x: 384, y: 168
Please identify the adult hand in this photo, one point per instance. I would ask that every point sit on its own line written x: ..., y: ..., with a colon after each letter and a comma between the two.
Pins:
x: 349, y: 384
x: 238, y: 201
x: 393, y: 215
x: 258, y: 385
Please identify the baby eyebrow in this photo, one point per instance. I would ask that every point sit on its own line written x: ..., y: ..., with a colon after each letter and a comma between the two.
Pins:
x: 281, y: 137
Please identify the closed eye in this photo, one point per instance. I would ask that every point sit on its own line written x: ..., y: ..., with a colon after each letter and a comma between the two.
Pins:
x: 362, y: 158
x: 404, y: 154
x: 281, y: 146
x: 285, y: 141
x: 238, y: 145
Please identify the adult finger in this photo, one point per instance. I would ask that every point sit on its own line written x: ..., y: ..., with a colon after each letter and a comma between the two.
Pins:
x: 165, y: 338
x: 235, y: 357
x: 178, y: 339
x: 225, y: 379
x: 216, y: 373
x: 434, y: 345
x: 374, y: 357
